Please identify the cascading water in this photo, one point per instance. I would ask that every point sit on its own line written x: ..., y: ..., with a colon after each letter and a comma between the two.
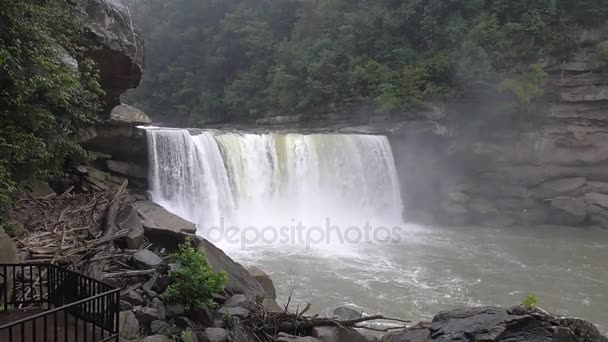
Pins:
x: 273, y: 180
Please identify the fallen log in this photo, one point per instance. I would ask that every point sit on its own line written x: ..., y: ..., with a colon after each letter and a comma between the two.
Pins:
x: 302, y: 324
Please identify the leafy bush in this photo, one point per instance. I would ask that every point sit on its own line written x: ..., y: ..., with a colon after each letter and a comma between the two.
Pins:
x: 530, y: 302
x: 194, y: 282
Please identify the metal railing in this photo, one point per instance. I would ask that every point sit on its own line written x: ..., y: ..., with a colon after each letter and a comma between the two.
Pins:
x: 66, y: 306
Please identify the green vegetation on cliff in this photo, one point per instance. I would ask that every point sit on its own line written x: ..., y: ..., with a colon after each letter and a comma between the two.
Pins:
x: 44, y: 96
x: 215, y: 60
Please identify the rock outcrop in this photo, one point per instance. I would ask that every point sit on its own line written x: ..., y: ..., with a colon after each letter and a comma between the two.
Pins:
x: 118, y: 46
x: 517, y: 324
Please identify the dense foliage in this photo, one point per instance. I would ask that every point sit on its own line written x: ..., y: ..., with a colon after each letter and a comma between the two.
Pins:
x: 212, y: 60
x: 193, y: 283
x: 43, y: 98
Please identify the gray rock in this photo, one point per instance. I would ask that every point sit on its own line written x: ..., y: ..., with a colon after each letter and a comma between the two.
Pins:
x: 127, y: 218
x: 129, y: 325
x: 174, y: 310
x: 238, y: 300
x: 265, y: 281
x: 337, y: 334
x: 569, y: 211
x: 239, y: 280
x: 134, y: 298
x: 558, y: 187
x: 119, y: 47
x: 160, y: 327
x: 598, y: 187
x: 236, y: 312
x: 283, y: 337
x: 600, y: 200
x: 215, y: 335
x: 157, y: 338
x: 184, y: 322
x: 371, y: 338
x: 129, y: 115
x: 156, y: 219
x: 345, y: 313
x: 128, y: 169
x: 239, y: 333
x: 408, y: 335
x: 202, y: 315
x: 160, y: 306
x: 147, y: 259
x: 499, y: 325
x: 146, y: 315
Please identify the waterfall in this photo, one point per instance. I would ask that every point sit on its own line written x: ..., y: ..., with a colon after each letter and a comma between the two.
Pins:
x: 272, y: 179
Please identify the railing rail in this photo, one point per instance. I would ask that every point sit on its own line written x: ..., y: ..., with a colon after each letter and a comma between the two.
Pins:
x: 76, y: 308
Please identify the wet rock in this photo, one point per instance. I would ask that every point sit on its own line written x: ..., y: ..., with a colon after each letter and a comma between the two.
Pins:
x: 147, y: 259
x: 569, y: 211
x: 337, y: 334
x: 215, y: 335
x: 271, y: 305
x: 129, y: 325
x: 239, y: 280
x: 127, y: 218
x: 237, y: 300
x: 157, y: 338
x: 174, y: 310
x: 559, y: 187
x: 345, y: 313
x: 233, y: 312
x: 160, y: 327
x: 264, y: 279
x: 128, y: 169
x: 283, y: 337
x: 497, y: 324
x: 371, y: 338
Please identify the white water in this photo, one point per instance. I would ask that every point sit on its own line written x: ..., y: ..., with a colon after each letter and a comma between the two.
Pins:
x: 219, y: 179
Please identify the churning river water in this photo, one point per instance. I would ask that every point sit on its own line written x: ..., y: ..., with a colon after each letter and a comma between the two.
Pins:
x: 322, y: 215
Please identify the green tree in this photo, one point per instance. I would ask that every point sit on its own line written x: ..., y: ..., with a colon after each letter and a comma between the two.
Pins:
x: 44, y: 96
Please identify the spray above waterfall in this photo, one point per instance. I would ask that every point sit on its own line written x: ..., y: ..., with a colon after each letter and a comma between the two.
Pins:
x: 278, y: 188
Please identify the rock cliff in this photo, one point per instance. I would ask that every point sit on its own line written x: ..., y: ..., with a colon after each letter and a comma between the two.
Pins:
x: 551, y: 172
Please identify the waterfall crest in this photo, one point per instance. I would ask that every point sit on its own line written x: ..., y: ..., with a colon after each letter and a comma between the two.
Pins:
x: 243, y: 179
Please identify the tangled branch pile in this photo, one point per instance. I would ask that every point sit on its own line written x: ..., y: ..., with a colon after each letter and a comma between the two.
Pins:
x: 67, y: 229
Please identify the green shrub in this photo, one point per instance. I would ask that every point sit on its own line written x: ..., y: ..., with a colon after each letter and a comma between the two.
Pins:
x: 194, y: 282
x: 530, y: 302
x: 13, y: 229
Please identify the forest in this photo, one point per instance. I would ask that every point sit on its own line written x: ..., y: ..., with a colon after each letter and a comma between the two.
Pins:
x: 209, y: 60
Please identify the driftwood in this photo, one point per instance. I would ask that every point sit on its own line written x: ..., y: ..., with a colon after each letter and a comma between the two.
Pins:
x: 109, y: 227
x: 303, y: 324
x: 134, y: 273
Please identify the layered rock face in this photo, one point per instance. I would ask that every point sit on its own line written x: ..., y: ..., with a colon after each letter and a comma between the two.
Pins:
x: 556, y: 173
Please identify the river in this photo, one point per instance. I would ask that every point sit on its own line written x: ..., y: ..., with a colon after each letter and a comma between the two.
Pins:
x: 322, y: 215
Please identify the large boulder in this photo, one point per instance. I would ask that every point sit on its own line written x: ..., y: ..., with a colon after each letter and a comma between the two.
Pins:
x: 118, y: 46
x: 495, y: 324
x: 129, y: 325
x: 129, y: 116
x: 128, y: 169
x: 156, y: 219
x: 264, y: 279
x: 127, y: 218
x: 239, y: 280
